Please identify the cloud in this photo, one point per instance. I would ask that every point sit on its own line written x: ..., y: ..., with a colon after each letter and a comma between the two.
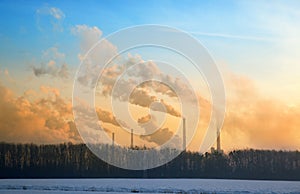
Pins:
x: 47, y: 90
x: 160, y: 136
x: 145, y: 119
x: 52, y: 69
x: 107, y: 117
x: 160, y: 88
x: 144, y: 94
x: 91, y: 65
x: 108, y: 79
x: 54, y: 54
x: 73, y: 132
x: 142, y: 71
x: 143, y: 98
x: 258, y: 121
x: 148, y: 71
x: 55, y: 64
x: 89, y: 36
x: 56, y: 13
x: 154, y: 133
x: 49, y: 16
x: 88, y: 76
x: 5, y: 74
x: 167, y: 108
x: 170, y: 85
x: 45, y: 120
x: 87, y: 116
x: 149, y: 123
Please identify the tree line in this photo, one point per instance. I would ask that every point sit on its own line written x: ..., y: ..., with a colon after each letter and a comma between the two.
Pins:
x: 77, y: 161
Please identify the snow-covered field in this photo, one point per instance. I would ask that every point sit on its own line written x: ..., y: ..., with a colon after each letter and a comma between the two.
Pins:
x: 67, y: 186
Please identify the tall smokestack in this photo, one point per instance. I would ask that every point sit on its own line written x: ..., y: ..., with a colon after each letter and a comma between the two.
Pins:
x: 113, y: 147
x: 183, y: 134
x: 218, y: 141
x: 131, y: 144
x: 113, y: 139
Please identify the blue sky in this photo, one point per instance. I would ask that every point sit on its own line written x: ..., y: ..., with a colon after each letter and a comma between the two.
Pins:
x: 228, y: 17
x: 243, y: 35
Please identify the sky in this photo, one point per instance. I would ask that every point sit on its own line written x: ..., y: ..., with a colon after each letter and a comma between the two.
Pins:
x: 255, y: 44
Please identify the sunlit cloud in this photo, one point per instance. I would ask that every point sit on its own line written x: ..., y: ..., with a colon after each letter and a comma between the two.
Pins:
x: 46, y: 120
x: 254, y: 120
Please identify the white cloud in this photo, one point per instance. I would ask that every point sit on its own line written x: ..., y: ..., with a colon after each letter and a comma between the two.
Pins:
x: 57, y: 13
x: 49, y: 16
x: 89, y: 35
x: 53, y: 53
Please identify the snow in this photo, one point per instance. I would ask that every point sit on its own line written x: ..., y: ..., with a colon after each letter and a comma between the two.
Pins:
x: 87, y: 186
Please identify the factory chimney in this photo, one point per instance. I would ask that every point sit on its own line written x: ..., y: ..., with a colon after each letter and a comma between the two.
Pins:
x: 131, y: 143
x: 218, y: 142
x: 113, y: 147
x: 183, y: 134
x: 113, y: 139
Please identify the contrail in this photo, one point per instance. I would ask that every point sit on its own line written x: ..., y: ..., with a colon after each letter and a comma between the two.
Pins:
x: 230, y: 36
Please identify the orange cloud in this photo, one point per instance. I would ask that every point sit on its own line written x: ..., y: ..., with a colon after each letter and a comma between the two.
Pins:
x: 143, y: 98
x: 46, y: 120
x: 144, y: 119
x: 257, y: 121
x: 159, y: 137
x: 107, y: 117
x: 252, y: 119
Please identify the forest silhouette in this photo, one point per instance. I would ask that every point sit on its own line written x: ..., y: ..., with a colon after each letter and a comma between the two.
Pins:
x: 77, y: 161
